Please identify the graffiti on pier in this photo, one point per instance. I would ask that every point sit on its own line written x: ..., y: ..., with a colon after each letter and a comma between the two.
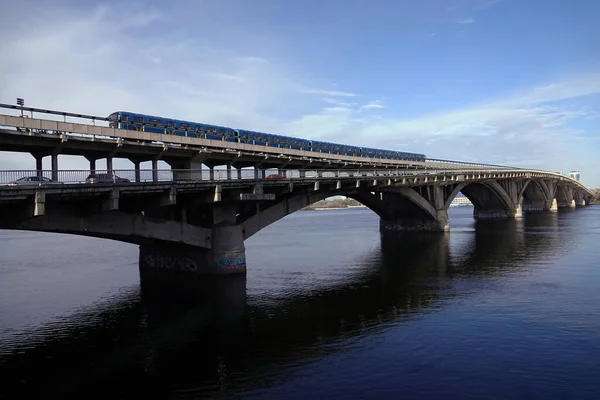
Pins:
x: 402, y: 228
x: 390, y: 227
x: 231, y: 263
x: 164, y: 261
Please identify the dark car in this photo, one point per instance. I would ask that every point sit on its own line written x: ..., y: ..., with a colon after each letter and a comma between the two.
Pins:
x: 105, y: 178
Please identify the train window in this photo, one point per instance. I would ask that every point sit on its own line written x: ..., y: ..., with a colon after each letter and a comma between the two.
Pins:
x: 184, y: 126
x: 155, y: 121
x: 124, y: 117
x: 138, y: 120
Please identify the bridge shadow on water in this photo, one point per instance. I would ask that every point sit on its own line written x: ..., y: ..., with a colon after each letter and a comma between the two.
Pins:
x: 185, y: 338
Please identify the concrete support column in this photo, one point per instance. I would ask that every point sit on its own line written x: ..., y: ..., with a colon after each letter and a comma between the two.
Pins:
x: 211, y: 173
x: 92, y: 166
x: 227, y: 254
x: 256, y: 172
x: 154, y: 170
x: 229, y: 172
x: 39, y: 167
x: 497, y: 213
x: 239, y: 173
x: 440, y: 224
x: 136, y: 166
x: 302, y: 173
x: 54, y: 167
x: 538, y: 205
x: 109, y: 165
x: 186, y: 170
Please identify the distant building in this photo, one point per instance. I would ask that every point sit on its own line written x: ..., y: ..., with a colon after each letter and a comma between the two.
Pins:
x: 575, y: 175
x: 460, y: 200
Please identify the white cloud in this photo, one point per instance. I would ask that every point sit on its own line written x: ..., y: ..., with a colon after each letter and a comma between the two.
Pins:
x: 465, y: 21
x: 374, y: 105
x: 329, y: 93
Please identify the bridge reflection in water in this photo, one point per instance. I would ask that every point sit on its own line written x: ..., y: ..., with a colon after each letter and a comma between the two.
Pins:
x: 207, y: 337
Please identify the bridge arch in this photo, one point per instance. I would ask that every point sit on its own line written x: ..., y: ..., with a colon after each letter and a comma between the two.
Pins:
x: 535, y: 195
x: 489, y: 198
x: 563, y: 195
x: 394, y: 204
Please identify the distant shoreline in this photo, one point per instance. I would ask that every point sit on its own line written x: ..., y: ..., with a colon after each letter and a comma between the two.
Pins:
x: 334, y: 204
x: 331, y: 208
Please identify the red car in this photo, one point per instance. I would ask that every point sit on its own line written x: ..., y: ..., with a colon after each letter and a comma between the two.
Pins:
x: 275, y: 176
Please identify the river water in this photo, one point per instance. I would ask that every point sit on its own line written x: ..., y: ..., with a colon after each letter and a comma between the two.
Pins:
x: 328, y: 309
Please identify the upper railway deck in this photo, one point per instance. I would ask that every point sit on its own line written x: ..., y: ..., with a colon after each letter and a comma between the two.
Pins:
x: 28, y: 133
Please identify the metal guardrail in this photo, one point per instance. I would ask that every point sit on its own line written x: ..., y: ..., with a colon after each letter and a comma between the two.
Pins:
x: 168, y: 175
x: 466, y: 163
x: 12, y: 177
x: 52, y: 112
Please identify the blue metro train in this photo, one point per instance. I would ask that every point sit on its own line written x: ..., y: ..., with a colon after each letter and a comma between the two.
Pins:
x: 149, y: 123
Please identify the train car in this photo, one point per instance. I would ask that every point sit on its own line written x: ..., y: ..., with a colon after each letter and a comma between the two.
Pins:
x: 148, y: 123
x: 299, y: 144
x: 250, y: 137
x: 159, y: 125
x: 320, y: 147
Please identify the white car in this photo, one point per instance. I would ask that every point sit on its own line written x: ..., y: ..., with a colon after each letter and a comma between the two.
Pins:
x: 34, y: 181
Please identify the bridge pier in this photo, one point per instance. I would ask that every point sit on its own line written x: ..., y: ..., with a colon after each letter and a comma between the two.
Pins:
x: 226, y: 255
x: 109, y: 165
x: 539, y: 206
x: 440, y: 224
x: 499, y: 213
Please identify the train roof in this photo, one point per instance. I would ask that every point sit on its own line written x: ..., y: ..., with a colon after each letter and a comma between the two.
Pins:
x: 266, y: 134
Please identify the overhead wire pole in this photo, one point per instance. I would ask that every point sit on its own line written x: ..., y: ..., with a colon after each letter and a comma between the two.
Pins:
x: 21, y: 103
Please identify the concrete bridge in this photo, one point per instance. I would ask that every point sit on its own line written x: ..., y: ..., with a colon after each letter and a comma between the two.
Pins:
x: 187, y: 223
x: 195, y: 217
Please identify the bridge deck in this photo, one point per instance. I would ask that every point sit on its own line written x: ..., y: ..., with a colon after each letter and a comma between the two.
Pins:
x: 197, y: 180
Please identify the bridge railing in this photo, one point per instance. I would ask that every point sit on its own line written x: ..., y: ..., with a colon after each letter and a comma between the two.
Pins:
x: 33, y: 177
x: 24, y: 177
x: 448, y: 164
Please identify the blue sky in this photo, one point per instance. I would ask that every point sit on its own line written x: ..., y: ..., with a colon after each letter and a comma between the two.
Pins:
x: 499, y: 81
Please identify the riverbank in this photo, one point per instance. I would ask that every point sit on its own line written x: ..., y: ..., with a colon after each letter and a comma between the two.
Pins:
x: 596, y: 198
